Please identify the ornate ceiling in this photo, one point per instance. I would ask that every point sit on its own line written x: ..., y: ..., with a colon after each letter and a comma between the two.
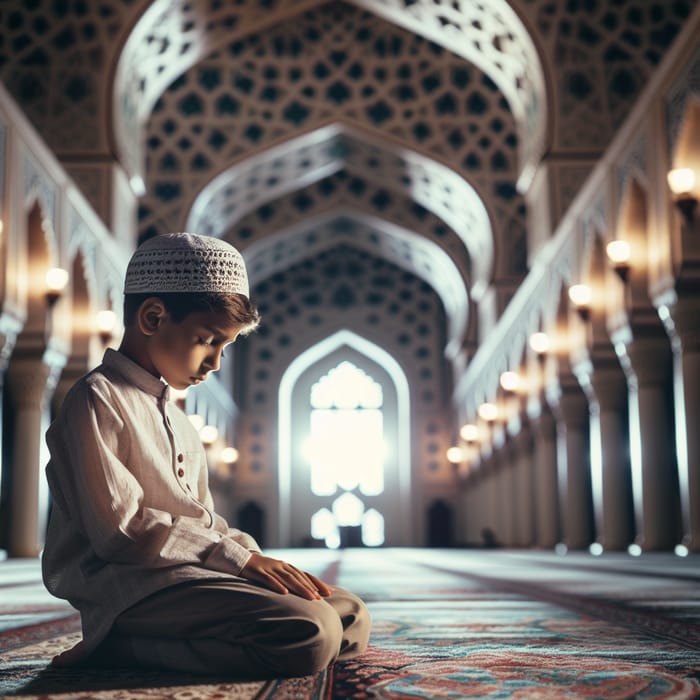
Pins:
x: 406, y: 130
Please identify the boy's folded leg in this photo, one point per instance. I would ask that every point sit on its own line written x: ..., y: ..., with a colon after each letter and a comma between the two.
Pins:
x: 114, y: 651
x: 244, y: 630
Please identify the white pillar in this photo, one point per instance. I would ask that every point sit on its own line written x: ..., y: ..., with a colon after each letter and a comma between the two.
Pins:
x: 573, y: 466
x: 646, y: 359
x: 546, y: 491
x: 683, y: 324
x: 29, y: 382
x: 610, y: 465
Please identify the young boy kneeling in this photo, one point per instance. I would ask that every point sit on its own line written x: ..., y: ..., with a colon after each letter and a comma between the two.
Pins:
x: 133, y: 542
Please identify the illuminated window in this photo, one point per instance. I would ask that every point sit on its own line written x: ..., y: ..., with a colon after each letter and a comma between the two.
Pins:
x: 346, y: 452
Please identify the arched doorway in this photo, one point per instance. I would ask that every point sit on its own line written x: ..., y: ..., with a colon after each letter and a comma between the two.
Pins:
x: 344, y: 447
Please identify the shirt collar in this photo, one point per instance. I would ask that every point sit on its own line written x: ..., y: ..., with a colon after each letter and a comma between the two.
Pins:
x: 135, y: 374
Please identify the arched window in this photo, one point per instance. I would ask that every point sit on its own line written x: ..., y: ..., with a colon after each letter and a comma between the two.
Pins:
x: 344, y: 447
x: 346, y: 451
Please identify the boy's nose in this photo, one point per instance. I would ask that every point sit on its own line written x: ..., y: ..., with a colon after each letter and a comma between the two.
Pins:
x: 213, y: 361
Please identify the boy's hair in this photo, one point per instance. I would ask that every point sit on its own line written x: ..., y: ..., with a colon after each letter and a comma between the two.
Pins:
x: 237, y: 308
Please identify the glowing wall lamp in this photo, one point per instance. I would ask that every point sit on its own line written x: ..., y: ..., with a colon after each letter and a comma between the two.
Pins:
x: 540, y: 344
x: 488, y: 411
x: 619, y: 253
x: 455, y: 455
x: 469, y: 433
x: 229, y: 455
x: 106, y: 323
x: 56, y: 281
x: 510, y: 381
x: 580, y: 296
x: 681, y: 182
x: 208, y: 434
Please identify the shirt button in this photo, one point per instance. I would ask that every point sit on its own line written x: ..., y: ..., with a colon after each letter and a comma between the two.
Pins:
x: 181, y: 457
x: 181, y: 472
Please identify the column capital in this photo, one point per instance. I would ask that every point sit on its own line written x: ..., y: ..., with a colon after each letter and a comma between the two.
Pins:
x: 30, y: 379
x: 682, y: 321
x: 644, y: 352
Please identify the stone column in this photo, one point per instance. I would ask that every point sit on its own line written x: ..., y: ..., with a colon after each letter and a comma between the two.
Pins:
x: 683, y: 325
x: 30, y: 382
x: 610, y: 467
x: 646, y: 359
x: 523, y: 483
x: 573, y: 466
x: 545, y: 473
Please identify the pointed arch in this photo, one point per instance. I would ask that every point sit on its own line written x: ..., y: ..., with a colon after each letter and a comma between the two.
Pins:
x: 170, y: 37
x: 297, y: 367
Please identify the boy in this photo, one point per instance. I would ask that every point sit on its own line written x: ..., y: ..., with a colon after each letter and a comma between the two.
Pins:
x: 133, y: 541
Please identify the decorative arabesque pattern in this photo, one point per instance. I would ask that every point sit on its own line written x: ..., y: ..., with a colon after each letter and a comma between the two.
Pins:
x: 342, y: 287
x: 354, y: 69
x: 403, y: 248
x: 432, y: 186
x: 54, y: 58
x: 602, y: 54
x: 172, y: 37
x: 345, y: 191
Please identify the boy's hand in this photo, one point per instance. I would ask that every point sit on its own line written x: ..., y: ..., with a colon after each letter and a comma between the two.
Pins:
x: 278, y: 575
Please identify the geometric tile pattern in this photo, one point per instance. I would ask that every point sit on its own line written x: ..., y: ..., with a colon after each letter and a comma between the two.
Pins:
x: 173, y: 36
x: 346, y: 286
x: 289, y: 81
x: 379, y: 175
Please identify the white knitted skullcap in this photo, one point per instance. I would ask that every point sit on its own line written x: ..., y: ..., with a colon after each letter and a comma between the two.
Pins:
x: 186, y: 262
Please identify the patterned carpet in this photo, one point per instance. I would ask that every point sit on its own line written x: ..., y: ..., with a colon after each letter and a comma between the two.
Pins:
x: 446, y: 624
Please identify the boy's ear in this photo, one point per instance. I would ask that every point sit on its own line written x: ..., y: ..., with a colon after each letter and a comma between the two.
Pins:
x: 150, y: 315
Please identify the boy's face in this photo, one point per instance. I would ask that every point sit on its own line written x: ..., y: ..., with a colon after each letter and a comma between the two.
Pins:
x: 184, y: 353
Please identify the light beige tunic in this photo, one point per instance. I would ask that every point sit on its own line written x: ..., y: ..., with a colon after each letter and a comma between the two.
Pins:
x: 132, y: 511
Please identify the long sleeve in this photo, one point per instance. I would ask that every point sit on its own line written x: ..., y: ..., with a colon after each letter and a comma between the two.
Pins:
x: 132, y: 509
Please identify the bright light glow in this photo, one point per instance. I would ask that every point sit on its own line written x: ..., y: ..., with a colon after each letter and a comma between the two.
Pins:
x: 635, y: 550
x: 681, y: 550
x: 56, y: 279
x: 324, y: 527
x: 372, y: 528
x: 346, y: 450
x: 681, y: 180
x: 229, y: 455
x: 346, y: 446
x: 469, y: 432
x: 596, y: 549
x: 488, y: 411
x: 618, y: 251
x: 106, y: 321
x: 580, y: 294
x: 208, y: 434
x: 398, y: 434
x: 539, y: 342
x: 197, y: 421
x: 346, y: 386
x: 455, y: 455
x: 510, y: 381
x: 348, y: 509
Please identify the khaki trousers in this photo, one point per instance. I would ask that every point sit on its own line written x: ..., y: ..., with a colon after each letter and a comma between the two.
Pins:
x: 239, y: 628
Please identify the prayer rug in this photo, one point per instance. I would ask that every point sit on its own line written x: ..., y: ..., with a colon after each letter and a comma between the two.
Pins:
x: 446, y: 624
